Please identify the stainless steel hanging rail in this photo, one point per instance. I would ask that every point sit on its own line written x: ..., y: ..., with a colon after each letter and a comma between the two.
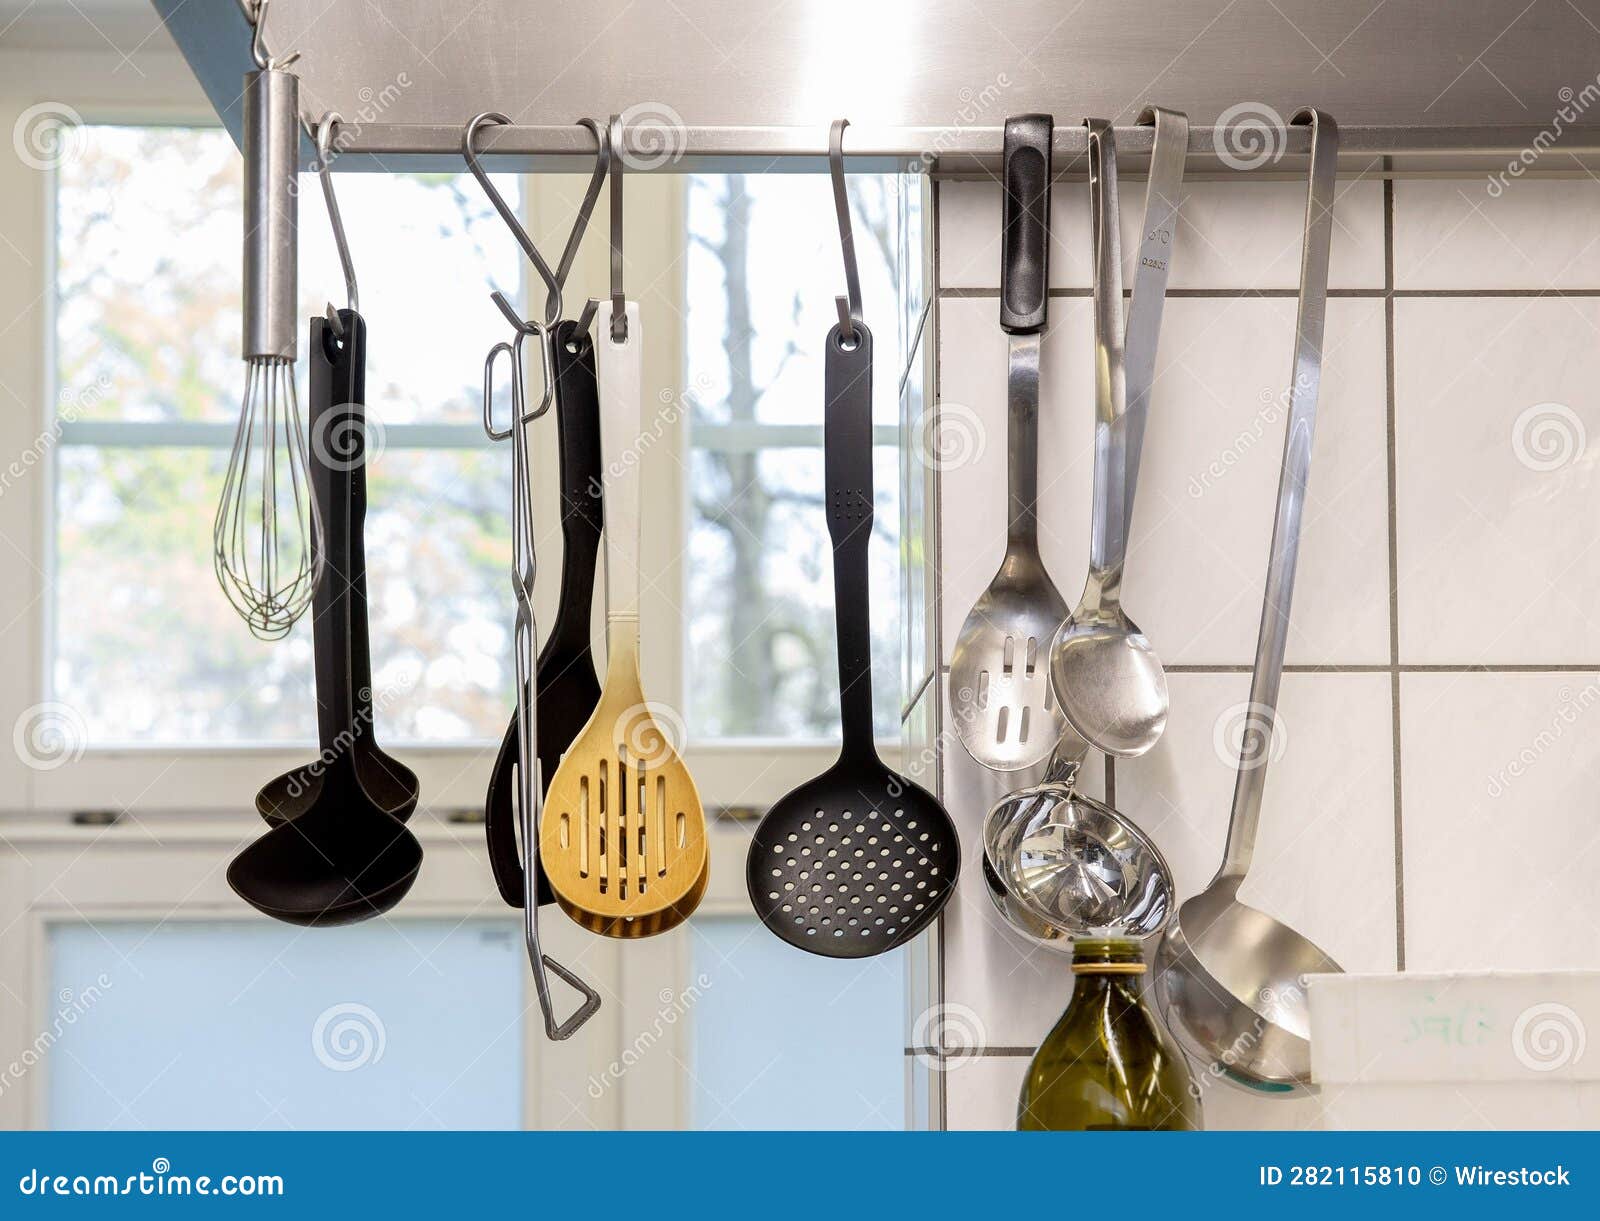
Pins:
x: 975, y: 150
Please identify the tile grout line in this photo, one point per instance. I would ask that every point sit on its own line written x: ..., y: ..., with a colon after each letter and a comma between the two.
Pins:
x: 1394, y: 574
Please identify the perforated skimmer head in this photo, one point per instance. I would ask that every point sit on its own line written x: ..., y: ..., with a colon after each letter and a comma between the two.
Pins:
x: 840, y: 873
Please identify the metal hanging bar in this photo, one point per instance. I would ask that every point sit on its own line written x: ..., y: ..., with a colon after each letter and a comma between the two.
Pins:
x: 974, y: 150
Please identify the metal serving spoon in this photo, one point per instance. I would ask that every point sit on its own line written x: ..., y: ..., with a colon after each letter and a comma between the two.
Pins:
x: 1107, y: 678
x: 1229, y: 977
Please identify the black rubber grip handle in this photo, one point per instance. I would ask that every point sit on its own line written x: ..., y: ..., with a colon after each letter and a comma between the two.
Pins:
x: 847, y: 487
x: 1025, y: 242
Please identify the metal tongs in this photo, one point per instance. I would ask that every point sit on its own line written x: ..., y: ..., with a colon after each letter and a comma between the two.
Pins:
x: 523, y: 559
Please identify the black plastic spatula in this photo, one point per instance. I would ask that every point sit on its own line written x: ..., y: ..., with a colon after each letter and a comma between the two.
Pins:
x: 567, y: 688
x: 860, y: 859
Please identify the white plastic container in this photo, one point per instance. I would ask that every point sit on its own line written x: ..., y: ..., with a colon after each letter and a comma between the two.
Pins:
x: 1478, y: 1049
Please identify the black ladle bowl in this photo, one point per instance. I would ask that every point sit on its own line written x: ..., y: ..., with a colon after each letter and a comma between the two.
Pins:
x: 392, y: 786
x: 343, y: 859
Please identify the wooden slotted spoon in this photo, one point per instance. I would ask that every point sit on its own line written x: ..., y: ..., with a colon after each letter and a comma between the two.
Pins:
x: 623, y: 840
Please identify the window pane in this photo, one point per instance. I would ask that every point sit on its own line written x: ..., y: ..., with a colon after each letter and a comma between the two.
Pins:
x: 761, y: 587
x: 785, y: 1040
x: 149, y: 279
x: 763, y: 270
x: 392, y: 1024
x: 148, y: 650
x: 146, y: 647
x: 148, y: 274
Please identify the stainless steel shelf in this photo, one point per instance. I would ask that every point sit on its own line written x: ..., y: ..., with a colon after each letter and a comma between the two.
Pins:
x: 1417, y: 87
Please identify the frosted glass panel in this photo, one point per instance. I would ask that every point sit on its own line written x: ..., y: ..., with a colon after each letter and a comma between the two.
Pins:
x: 786, y: 1040
x: 390, y: 1024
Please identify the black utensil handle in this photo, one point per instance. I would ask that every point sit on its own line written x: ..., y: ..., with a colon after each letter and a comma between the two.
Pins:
x: 847, y: 465
x: 1025, y: 240
x: 582, y: 502
x: 350, y: 374
x: 329, y: 365
x: 500, y: 827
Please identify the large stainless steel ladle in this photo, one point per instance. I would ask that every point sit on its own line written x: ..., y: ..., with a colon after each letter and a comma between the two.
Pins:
x: 1229, y: 978
x: 1107, y: 679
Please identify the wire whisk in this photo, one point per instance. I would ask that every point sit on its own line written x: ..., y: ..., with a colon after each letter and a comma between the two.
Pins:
x: 262, y: 541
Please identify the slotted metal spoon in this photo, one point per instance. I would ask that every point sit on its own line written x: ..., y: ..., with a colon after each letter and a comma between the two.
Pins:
x: 623, y: 841
x: 1001, y: 699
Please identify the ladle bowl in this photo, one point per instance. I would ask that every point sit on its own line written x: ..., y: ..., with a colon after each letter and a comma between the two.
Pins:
x: 1230, y: 981
x: 392, y: 785
x: 342, y: 860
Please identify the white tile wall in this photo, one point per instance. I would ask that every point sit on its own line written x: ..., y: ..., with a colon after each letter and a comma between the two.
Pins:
x: 1432, y: 805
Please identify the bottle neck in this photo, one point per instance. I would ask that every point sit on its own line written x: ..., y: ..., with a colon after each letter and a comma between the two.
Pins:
x: 1107, y: 956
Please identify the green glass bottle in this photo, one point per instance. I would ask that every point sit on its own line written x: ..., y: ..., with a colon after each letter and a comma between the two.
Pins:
x: 1109, y: 1064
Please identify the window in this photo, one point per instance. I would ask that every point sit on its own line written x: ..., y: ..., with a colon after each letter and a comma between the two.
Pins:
x: 763, y: 268
x: 256, y: 1026
x: 149, y: 380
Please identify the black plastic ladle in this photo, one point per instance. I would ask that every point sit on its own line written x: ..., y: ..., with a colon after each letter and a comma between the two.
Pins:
x: 566, y: 688
x: 344, y: 857
x: 390, y: 783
